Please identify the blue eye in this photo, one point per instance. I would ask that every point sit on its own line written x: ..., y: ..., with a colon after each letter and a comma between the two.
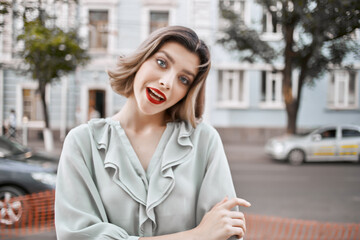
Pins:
x: 184, y: 80
x: 161, y: 63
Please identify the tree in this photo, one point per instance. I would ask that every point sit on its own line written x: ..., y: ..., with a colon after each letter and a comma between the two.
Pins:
x: 4, y: 9
x: 316, y: 33
x: 49, y: 52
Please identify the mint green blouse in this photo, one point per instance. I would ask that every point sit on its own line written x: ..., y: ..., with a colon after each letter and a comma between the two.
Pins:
x: 103, y: 192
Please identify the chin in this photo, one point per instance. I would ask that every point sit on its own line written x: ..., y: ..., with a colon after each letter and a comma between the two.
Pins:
x: 149, y: 110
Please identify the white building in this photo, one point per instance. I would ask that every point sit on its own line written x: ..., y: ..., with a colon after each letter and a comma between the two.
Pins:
x: 238, y: 93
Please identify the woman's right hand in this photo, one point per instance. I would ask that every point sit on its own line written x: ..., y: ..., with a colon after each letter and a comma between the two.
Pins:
x: 220, y: 223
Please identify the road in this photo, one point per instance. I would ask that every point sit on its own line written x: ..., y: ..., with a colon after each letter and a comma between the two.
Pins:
x: 313, y: 191
x: 328, y: 192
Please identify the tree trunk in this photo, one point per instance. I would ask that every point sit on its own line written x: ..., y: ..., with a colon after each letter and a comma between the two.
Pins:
x: 302, y: 76
x: 42, y: 88
x: 291, y: 103
x: 48, y: 137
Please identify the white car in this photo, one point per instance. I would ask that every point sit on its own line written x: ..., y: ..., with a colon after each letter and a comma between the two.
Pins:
x: 330, y: 143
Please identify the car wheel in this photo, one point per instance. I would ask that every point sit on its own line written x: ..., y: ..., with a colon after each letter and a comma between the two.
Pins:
x: 11, y: 212
x: 296, y: 157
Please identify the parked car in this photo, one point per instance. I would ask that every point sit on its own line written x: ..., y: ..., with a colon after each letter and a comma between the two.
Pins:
x: 329, y: 143
x: 22, y: 172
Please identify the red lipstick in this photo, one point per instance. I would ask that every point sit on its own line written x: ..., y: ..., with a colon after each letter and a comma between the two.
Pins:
x: 155, y: 96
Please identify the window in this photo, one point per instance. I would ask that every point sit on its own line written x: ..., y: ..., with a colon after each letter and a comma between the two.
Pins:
x: 237, y: 6
x: 232, y: 87
x: 32, y: 108
x: 158, y: 19
x: 157, y: 14
x: 347, y: 133
x: 98, y: 29
x: 240, y: 8
x: 271, y: 89
x: 328, y: 134
x: 271, y: 29
x: 343, y: 90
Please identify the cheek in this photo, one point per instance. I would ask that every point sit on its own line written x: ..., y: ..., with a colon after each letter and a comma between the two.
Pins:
x: 136, y: 80
x: 142, y: 73
x: 139, y: 81
x: 181, y: 94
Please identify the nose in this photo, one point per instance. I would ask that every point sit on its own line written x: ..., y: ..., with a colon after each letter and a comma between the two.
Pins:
x: 166, y: 81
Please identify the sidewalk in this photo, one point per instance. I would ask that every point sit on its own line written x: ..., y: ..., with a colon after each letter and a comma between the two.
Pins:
x: 232, y: 138
x: 37, y: 145
x: 247, y: 139
x: 40, y: 236
x: 259, y: 226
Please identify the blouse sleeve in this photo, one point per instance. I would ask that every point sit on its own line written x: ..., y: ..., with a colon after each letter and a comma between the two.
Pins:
x: 217, y: 182
x: 79, y: 212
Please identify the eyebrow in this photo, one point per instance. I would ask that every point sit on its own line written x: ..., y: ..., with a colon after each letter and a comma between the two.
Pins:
x: 173, y: 61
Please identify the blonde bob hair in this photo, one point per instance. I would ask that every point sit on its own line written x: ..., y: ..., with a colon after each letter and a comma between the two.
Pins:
x: 191, y: 107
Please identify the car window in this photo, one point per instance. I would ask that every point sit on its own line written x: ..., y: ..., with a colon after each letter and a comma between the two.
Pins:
x: 347, y: 132
x: 328, y: 134
x: 8, y: 147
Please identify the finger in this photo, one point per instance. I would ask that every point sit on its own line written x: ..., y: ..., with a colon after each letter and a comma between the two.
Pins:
x: 221, y: 202
x: 236, y: 202
x: 238, y: 231
x: 236, y: 214
x: 239, y: 223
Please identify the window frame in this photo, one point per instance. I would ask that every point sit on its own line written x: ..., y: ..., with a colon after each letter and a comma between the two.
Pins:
x: 333, y: 92
x: 156, y: 12
x: 38, y: 124
x: 278, y: 103
x: 349, y: 129
x: 111, y: 6
x: 98, y: 49
x: 330, y: 137
x: 148, y: 7
x: 243, y: 9
x: 269, y: 34
x: 224, y: 76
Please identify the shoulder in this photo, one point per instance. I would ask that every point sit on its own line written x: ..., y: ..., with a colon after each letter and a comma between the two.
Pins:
x: 81, y: 140
x: 205, y: 128
x: 80, y: 132
x: 205, y: 133
x: 84, y: 134
x: 77, y: 139
x: 89, y: 129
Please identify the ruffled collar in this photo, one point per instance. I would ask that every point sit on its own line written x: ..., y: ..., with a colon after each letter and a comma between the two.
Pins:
x: 107, y: 134
x: 102, y: 128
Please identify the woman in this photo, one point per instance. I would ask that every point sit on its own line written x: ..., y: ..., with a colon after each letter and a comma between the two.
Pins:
x: 152, y: 171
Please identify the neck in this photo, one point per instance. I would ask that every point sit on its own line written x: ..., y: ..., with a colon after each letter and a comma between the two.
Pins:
x: 131, y: 118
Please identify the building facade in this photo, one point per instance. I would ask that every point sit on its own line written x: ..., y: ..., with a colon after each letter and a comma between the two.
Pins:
x: 239, y: 94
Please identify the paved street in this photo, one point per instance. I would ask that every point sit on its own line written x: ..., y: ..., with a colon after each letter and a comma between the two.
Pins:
x: 313, y: 191
x: 328, y: 192
x: 41, y: 236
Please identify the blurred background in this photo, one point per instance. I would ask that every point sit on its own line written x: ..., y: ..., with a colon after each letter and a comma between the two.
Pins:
x: 279, y: 68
